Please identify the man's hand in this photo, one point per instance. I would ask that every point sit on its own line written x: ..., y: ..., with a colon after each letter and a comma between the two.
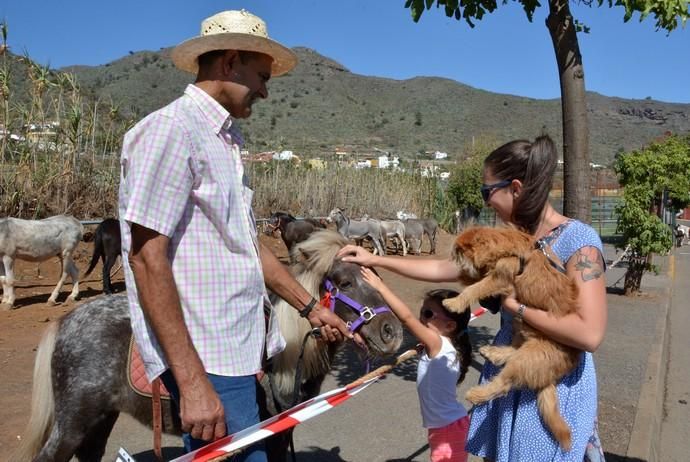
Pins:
x: 333, y: 329
x: 201, y: 411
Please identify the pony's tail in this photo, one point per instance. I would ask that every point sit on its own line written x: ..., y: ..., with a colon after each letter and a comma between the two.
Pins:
x: 97, y: 250
x: 42, y: 403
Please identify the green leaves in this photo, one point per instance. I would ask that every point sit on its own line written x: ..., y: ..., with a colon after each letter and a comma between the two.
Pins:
x: 667, y: 13
x: 466, y: 178
x: 648, y: 174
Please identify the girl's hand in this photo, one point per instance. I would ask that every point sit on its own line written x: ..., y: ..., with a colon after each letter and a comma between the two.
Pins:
x: 372, y: 279
x: 356, y: 254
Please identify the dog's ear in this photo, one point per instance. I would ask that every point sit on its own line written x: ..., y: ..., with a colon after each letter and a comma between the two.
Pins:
x: 464, y: 243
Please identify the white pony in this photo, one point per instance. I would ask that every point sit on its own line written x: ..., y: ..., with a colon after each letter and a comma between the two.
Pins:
x: 38, y: 240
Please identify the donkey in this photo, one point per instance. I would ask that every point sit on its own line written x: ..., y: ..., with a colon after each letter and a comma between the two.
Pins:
x: 107, y: 246
x: 394, y: 229
x: 80, y: 383
x: 358, y: 230
x: 292, y: 230
x: 416, y: 227
x: 38, y: 240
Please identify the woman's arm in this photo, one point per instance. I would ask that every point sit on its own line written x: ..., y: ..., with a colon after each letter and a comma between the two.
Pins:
x: 422, y: 269
x: 585, y: 329
x: 430, y: 339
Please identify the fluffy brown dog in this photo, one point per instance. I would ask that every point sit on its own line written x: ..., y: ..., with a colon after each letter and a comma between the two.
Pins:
x: 495, y: 261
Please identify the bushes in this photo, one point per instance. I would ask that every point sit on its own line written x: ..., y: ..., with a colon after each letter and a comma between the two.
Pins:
x: 653, y: 178
x: 303, y: 191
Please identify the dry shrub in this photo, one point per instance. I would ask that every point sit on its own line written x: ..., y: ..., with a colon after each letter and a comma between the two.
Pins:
x: 310, y: 191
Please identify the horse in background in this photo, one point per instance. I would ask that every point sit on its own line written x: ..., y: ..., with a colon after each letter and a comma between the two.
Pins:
x: 358, y: 230
x: 292, y: 230
x: 107, y: 246
x: 36, y: 241
x: 80, y: 383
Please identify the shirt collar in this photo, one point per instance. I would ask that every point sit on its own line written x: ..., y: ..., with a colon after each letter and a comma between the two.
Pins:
x: 218, y: 117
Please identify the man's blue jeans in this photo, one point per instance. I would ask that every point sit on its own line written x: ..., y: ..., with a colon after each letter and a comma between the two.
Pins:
x: 238, y: 395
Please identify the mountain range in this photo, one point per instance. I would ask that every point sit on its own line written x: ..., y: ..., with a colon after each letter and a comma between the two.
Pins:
x: 321, y: 105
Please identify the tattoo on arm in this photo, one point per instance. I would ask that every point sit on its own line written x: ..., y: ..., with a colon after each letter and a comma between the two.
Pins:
x: 589, y: 263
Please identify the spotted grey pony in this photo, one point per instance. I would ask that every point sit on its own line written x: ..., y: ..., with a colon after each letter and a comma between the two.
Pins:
x: 38, y: 240
x: 80, y: 383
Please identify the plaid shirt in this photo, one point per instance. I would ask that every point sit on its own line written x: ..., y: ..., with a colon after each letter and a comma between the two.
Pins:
x: 181, y: 176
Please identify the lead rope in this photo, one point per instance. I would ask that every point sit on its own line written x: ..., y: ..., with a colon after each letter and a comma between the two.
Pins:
x: 316, y: 333
x: 377, y: 372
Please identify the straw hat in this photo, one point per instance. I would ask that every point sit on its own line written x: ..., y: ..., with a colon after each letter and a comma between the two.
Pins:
x: 233, y: 30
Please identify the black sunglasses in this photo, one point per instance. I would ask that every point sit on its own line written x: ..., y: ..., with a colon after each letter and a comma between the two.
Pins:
x: 487, y: 189
x: 427, y: 313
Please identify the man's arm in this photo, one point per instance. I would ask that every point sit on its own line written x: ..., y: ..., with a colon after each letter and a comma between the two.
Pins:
x: 201, y: 411
x: 280, y: 281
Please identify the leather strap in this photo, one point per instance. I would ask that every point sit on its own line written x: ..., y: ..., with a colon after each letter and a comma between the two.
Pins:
x: 157, y: 418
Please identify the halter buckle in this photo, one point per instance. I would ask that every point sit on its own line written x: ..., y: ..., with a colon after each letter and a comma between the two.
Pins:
x: 367, y: 313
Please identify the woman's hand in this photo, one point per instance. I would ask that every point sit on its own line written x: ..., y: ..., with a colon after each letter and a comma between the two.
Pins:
x: 356, y: 254
x: 372, y: 278
x: 509, y: 303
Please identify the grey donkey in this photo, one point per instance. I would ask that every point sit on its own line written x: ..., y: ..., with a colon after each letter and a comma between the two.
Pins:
x: 38, y: 240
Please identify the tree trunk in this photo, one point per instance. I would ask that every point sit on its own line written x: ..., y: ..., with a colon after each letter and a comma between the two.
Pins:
x: 633, y: 276
x: 576, y: 177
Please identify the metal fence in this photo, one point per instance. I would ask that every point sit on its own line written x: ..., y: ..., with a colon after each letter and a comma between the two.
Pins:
x: 604, y: 218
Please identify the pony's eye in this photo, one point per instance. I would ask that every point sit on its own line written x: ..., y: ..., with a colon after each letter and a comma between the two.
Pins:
x: 345, y: 285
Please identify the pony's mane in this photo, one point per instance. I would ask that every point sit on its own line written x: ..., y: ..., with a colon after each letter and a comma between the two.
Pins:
x: 314, y: 258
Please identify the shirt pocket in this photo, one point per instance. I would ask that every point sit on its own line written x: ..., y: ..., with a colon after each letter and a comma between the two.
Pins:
x: 211, y: 197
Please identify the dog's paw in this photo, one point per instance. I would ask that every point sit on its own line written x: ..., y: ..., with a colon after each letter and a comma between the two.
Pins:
x: 475, y: 395
x: 456, y: 304
x: 485, y: 351
x: 497, y: 355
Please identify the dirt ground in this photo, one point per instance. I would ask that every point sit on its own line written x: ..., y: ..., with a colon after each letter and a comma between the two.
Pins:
x: 21, y: 328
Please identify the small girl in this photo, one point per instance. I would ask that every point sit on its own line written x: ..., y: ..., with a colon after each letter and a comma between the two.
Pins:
x: 442, y: 366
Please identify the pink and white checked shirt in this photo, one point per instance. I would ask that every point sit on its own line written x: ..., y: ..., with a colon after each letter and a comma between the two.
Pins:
x: 181, y: 175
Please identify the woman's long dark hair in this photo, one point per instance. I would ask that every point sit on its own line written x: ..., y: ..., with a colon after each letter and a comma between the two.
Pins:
x: 534, y: 165
x: 460, y: 338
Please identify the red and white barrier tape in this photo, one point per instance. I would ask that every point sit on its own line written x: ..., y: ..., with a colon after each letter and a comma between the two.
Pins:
x: 478, y: 312
x: 281, y: 422
x: 276, y: 424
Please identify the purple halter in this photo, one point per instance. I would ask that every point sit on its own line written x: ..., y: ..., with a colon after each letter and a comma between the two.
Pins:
x: 366, y: 313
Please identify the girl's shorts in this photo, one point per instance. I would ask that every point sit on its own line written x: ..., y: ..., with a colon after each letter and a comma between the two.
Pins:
x: 447, y: 444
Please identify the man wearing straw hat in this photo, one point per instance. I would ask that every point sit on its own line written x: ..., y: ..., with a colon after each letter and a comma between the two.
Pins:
x: 194, y: 269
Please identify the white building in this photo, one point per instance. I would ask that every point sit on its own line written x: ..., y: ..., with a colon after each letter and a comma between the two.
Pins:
x: 284, y: 155
x: 388, y: 162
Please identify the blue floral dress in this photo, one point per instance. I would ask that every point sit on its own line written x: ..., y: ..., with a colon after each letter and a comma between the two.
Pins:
x: 510, y: 428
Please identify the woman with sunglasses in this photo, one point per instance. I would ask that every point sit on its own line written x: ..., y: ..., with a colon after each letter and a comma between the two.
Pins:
x: 517, y: 179
x: 442, y: 366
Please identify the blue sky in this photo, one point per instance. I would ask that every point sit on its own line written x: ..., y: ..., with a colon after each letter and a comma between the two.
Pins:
x: 504, y: 53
